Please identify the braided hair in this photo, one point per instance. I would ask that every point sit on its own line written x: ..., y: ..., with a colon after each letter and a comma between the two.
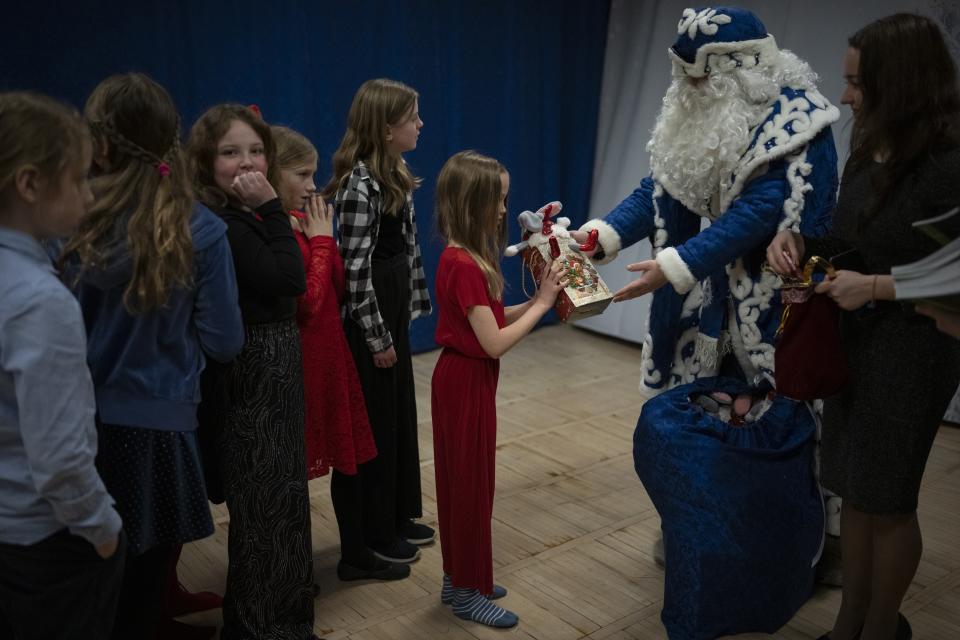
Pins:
x: 142, y: 193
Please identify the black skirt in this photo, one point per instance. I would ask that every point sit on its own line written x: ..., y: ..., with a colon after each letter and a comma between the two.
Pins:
x: 878, y: 431
x: 156, y: 479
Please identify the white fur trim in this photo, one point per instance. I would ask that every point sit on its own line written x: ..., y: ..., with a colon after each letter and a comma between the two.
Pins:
x: 660, y: 235
x: 609, y: 239
x: 558, y: 232
x: 806, y: 126
x: 749, y: 299
x: 693, y: 302
x: 649, y: 375
x: 724, y: 56
x: 797, y: 170
x: 676, y: 270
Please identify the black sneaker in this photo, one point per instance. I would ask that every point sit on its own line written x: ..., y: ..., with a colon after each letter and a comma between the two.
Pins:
x: 399, y: 551
x: 380, y: 570
x: 904, y: 631
x: 416, y: 533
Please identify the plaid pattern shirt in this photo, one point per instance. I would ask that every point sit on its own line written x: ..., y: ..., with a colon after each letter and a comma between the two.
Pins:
x: 358, y: 211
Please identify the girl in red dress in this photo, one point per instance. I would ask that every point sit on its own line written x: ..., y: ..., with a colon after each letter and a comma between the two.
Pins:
x: 337, y: 428
x: 474, y: 330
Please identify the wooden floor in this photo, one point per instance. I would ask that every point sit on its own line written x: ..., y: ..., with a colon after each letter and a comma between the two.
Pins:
x: 573, y: 527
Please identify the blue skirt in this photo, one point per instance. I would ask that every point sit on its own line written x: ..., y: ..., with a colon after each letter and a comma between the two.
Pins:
x: 156, y: 480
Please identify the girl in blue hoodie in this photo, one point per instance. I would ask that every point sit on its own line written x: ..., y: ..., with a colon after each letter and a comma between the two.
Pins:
x: 154, y: 276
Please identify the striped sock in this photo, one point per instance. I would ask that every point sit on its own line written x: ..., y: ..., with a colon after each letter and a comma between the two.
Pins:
x: 446, y: 593
x: 470, y: 604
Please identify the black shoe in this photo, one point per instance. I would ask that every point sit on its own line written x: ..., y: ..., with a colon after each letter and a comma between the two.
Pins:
x: 416, y: 533
x: 399, y: 551
x: 380, y: 570
x: 904, y: 631
x: 826, y: 636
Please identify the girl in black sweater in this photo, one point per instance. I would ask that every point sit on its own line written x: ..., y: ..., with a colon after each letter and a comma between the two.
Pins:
x: 261, y: 408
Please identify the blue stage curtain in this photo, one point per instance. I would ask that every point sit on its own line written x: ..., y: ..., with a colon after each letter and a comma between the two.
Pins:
x: 515, y: 79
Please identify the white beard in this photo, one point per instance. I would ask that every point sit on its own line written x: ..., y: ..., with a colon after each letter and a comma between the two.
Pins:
x: 703, y: 129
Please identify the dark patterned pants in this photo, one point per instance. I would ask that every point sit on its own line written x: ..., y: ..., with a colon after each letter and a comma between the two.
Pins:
x: 269, y: 592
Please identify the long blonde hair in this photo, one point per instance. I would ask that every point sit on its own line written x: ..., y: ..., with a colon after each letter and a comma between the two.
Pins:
x: 39, y: 131
x: 293, y: 148
x: 467, y: 212
x: 144, y: 192
x: 377, y: 104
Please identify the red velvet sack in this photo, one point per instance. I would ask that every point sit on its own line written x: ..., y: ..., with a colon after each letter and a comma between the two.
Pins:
x: 809, y: 361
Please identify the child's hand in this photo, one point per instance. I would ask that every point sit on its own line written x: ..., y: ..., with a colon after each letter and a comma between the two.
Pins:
x: 551, y: 284
x: 107, y: 549
x: 319, y: 220
x: 253, y: 189
x: 386, y: 358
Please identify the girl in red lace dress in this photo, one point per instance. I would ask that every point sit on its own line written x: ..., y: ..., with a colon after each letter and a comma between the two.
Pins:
x: 337, y: 429
x: 474, y: 329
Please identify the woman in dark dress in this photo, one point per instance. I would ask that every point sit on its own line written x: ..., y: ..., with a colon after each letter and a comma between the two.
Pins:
x: 904, y: 166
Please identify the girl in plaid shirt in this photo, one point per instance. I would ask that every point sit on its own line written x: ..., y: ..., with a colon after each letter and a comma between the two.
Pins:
x: 386, y: 289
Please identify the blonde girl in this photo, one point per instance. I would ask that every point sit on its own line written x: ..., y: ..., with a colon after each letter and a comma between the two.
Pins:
x: 386, y: 290
x: 153, y: 275
x: 474, y: 330
x: 338, y: 431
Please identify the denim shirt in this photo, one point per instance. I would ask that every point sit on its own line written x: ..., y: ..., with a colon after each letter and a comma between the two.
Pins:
x: 48, y: 439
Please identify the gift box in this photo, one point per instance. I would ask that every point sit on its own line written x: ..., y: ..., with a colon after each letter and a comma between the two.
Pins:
x: 585, y: 294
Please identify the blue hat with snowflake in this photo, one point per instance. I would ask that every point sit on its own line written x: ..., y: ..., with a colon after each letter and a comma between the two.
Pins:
x: 720, y: 39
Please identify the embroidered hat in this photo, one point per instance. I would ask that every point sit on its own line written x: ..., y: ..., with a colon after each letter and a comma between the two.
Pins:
x: 719, y: 39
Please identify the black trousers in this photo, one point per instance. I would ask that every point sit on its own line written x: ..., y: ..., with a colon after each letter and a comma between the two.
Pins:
x: 346, y: 493
x: 391, y: 481
x: 59, y: 589
x: 143, y: 596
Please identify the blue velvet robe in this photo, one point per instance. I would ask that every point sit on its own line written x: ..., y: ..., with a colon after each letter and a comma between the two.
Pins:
x: 721, y: 300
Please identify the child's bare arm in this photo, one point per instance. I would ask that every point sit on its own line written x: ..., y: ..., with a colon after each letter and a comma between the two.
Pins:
x: 496, y: 341
x: 513, y: 313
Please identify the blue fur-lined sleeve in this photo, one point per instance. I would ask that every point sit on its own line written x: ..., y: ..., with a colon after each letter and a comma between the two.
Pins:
x: 751, y: 221
x: 817, y: 217
x: 632, y: 219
